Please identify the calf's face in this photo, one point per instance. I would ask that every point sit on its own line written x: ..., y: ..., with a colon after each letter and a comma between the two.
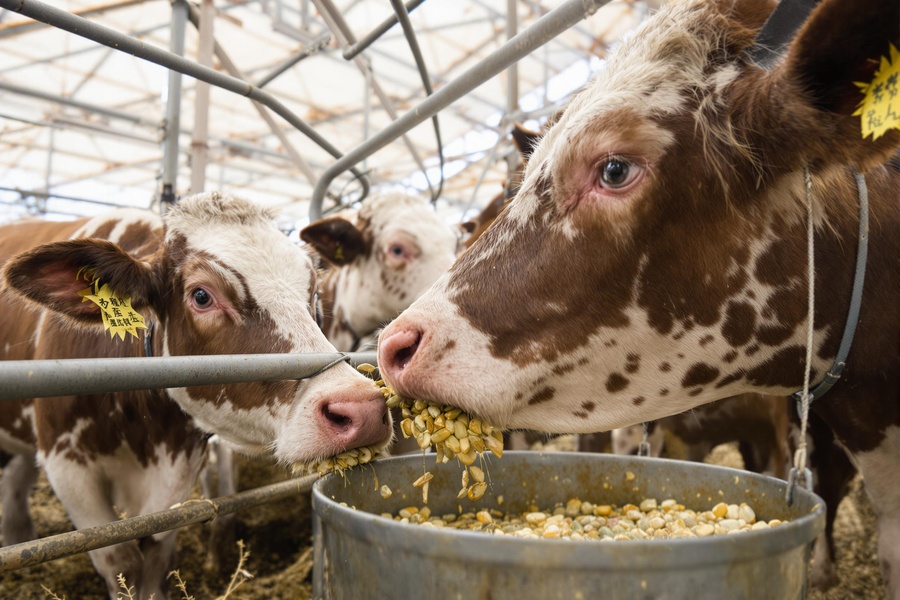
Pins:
x: 225, y: 280
x: 654, y: 257
x: 380, y: 259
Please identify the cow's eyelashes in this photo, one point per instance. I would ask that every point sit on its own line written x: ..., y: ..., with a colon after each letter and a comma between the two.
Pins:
x: 201, y: 298
x: 616, y: 173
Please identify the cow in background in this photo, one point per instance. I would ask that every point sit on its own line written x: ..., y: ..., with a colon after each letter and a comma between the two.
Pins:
x: 655, y: 258
x: 378, y: 259
x: 524, y: 141
x: 216, y: 277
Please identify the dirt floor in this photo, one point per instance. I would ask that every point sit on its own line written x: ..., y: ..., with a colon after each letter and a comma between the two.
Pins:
x: 278, y: 538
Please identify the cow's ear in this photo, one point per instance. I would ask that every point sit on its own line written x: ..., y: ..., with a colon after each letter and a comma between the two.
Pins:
x: 336, y: 239
x: 467, y: 227
x: 52, y: 276
x: 841, y: 45
x: 525, y: 140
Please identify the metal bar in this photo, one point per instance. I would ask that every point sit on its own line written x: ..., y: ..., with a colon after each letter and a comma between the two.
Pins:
x: 200, y: 139
x: 512, y: 73
x: 229, y: 66
x: 24, y: 379
x: 410, y: 34
x: 342, y: 31
x: 20, y: 27
x: 172, y: 125
x: 108, y: 37
x: 50, y: 548
x: 109, y: 112
x: 304, y: 52
x: 539, y: 33
x: 46, y: 195
x: 354, y: 49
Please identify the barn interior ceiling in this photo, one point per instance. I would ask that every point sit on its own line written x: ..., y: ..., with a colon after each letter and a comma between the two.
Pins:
x: 83, y: 126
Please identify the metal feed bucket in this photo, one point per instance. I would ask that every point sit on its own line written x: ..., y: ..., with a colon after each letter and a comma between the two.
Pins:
x: 362, y: 555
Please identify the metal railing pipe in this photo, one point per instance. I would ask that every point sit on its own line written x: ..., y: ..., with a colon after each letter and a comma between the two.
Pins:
x: 351, y: 51
x: 35, y: 552
x: 286, y: 64
x: 24, y: 379
x: 539, y: 33
x: 172, y: 125
x: 66, y: 21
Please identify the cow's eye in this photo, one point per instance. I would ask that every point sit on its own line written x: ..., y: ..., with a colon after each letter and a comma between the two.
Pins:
x: 396, y: 250
x: 617, y: 173
x: 201, y: 298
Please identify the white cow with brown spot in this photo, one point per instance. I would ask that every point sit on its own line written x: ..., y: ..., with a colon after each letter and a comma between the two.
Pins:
x: 379, y: 259
x: 655, y: 258
x: 216, y: 277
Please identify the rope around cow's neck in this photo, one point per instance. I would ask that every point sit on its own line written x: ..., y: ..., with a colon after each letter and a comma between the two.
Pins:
x: 806, y: 396
x: 800, y: 472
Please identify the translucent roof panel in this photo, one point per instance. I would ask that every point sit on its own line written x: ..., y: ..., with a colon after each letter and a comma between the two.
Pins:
x: 82, y: 124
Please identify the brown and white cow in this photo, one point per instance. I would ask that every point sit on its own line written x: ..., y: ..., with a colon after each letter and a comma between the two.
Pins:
x: 379, y: 259
x: 217, y: 277
x: 656, y: 251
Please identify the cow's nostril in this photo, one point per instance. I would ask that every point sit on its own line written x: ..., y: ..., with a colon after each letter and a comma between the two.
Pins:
x: 397, y: 349
x: 404, y: 355
x: 338, y: 419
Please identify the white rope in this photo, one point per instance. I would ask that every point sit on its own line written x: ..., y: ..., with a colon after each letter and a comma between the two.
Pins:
x: 800, y: 455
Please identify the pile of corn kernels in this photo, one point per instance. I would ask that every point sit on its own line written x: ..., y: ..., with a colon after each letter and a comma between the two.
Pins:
x: 577, y: 520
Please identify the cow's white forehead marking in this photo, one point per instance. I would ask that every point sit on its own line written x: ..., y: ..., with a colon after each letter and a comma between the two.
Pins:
x: 278, y: 274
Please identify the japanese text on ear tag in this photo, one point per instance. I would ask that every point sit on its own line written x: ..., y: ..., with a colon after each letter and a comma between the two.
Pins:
x: 119, y: 317
x: 879, y: 109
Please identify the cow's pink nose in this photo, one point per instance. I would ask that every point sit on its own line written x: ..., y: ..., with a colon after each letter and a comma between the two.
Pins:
x: 351, y: 424
x: 396, y: 349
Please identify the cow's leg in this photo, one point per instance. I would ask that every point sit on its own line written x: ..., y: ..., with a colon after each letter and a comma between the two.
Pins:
x: 154, y: 489
x: 159, y: 560
x: 832, y: 474
x: 222, y: 530
x: 19, y: 475
x: 879, y: 470
x: 515, y: 440
x: 85, y: 493
x: 594, y: 442
x: 698, y: 451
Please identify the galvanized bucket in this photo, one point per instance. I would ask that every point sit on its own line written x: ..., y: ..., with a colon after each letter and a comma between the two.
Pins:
x: 361, y: 555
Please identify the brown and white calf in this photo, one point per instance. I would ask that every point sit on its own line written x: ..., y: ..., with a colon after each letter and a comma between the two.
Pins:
x: 217, y: 277
x: 656, y: 251
x: 379, y: 259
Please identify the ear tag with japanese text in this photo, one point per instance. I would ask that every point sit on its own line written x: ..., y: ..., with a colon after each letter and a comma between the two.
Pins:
x: 879, y: 109
x: 119, y: 317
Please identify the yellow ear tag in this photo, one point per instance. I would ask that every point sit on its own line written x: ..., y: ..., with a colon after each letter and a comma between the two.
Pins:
x: 119, y: 317
x: 879, y: 109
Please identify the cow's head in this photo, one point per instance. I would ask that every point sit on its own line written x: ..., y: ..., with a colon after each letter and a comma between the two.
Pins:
x: 654, y: 258
x: 381, y: 258
x: 224, y: 280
